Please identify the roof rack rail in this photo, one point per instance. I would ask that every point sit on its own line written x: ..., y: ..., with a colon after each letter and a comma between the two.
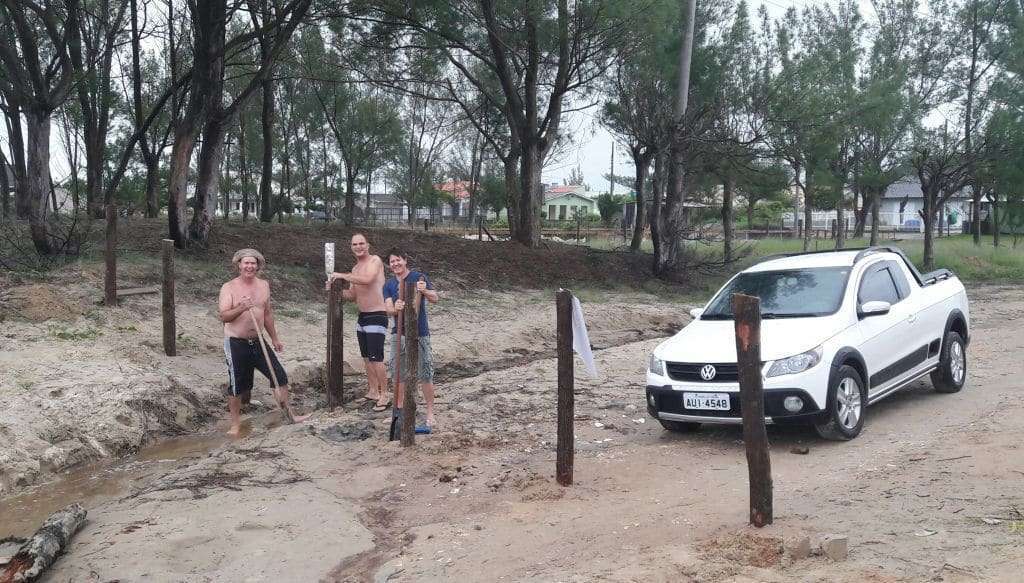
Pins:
x: 799, y: 253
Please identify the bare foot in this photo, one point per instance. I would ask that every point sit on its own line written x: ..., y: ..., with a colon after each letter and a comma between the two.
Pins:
x: 234, y: 431
x: 371, y: 397
x: 430, y: 421
x: 301, y: 418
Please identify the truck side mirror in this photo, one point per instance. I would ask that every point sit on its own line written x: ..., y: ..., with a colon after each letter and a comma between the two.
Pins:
x: 868, y: 309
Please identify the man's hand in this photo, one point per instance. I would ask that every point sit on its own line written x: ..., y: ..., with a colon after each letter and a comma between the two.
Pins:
x: 421, y: 286
x: 334, y: 276
x: 278, y: 345
x: 399, y: 305
x: 246, y: 302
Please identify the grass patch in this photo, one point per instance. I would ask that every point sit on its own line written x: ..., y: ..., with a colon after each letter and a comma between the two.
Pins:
x: 976, y: 263
x: 73, y: 334
x: 958, y: 253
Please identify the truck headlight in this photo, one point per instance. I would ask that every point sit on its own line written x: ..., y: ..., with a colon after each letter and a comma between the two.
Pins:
x: 795, y: 364
x: 657, y: 366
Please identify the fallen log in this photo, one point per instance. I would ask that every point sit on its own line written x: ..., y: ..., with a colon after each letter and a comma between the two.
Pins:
x: 42, y: 549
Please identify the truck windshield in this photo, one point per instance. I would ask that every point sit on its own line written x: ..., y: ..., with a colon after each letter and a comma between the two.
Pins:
x: 795, y: 293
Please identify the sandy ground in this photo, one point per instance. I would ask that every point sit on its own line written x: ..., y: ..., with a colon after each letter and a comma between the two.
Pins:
x: 930, y: 491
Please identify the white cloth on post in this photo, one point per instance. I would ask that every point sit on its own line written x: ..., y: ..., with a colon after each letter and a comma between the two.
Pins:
x: 580, y: 340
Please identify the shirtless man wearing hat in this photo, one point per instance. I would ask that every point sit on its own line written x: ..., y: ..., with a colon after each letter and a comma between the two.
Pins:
x: 242, y: 350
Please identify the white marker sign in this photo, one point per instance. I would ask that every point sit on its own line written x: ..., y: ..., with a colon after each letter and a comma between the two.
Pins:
x: 328, y: 258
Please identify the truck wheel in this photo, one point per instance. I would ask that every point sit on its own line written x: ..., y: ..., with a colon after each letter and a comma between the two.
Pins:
x: 847, y: 400
x: 679, y: 426
x: 952, y: 371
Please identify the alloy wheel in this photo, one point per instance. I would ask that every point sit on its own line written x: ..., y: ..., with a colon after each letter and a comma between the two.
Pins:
x: 848, y: 403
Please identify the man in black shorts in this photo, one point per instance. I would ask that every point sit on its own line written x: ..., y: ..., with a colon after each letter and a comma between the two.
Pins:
x: 367, y: 281
x: 242, y: 352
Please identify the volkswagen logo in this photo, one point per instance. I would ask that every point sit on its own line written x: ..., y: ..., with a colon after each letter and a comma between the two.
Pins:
x: 708, y: 372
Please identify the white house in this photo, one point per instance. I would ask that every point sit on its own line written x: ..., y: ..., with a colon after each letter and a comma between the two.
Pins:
x: 902, y: 202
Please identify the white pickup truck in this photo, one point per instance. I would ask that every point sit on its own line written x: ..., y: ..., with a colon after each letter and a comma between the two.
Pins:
x: 840, y: 330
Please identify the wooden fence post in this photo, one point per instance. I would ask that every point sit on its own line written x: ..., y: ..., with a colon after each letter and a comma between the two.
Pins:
x: 566, y: 445
x: 335, y: 345
x: 170, y: 328
x: 412, y: 368
x: 479, y: 229
x: 110, y: 256
x: 747, y: 314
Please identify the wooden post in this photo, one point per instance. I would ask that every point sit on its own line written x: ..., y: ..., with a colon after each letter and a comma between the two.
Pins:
x: 110, y: 256
x: 479, y: 229
x: 747, y: 314
x: 335, y: 345
x: 412, y: 369
x: 566, y: 445
x: 426, y: 225
x: 170, y: 328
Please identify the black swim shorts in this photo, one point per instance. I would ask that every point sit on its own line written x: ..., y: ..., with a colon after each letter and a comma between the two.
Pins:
x: 371, y: 330
x: 243, y: 356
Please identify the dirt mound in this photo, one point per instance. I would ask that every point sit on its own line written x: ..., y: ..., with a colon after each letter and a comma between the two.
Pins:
x: 458, y: 262
x: 726, y: 556
x: 39, y: 303
x: 744, y: 548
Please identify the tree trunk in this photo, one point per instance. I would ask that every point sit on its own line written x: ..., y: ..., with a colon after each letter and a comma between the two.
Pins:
x: 110, y: 254
x: 642, y: 163
x: 5, y: 187
x: 152, y: 186
x: 243, y: 166
x: 727, y: 196
x: 225, y: 179
x: 928, y: 262
x: 37, y: 178
x: 267, y: 122
x: 530, y: 194
x: 995, y: 219
x: 875, y: 197
x: 207, y: 180
x: 840, y: 219
x: 808, y: 200
x: 657, y: 192
x: 181, y: 156
x: 750, y: 216
x: 860, y: 214
x: 673, y: 219
x: 366, y: 210
x: 350, y: 195
x: 976, y: 193
x: 93, y: 159
x: 511, y: 164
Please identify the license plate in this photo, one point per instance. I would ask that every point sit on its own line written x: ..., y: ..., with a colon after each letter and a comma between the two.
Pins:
x: 707, y: 401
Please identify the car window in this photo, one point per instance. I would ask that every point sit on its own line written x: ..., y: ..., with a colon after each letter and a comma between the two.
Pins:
x: 902, y: 285
x: 878, y: 286
x: 793, y: 293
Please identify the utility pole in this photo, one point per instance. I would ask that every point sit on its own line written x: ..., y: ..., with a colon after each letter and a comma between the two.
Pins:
x: 611, y: 173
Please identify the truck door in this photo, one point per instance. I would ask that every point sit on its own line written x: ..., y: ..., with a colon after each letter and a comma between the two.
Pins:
x: 889, y: 343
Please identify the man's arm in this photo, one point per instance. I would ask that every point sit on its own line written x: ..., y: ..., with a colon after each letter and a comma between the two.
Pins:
x: 377, y: 268
x: 226, y: 310
x: 426, y: 289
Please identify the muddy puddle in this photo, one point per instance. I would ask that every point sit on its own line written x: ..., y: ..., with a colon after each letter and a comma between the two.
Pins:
x: 107, y: 479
